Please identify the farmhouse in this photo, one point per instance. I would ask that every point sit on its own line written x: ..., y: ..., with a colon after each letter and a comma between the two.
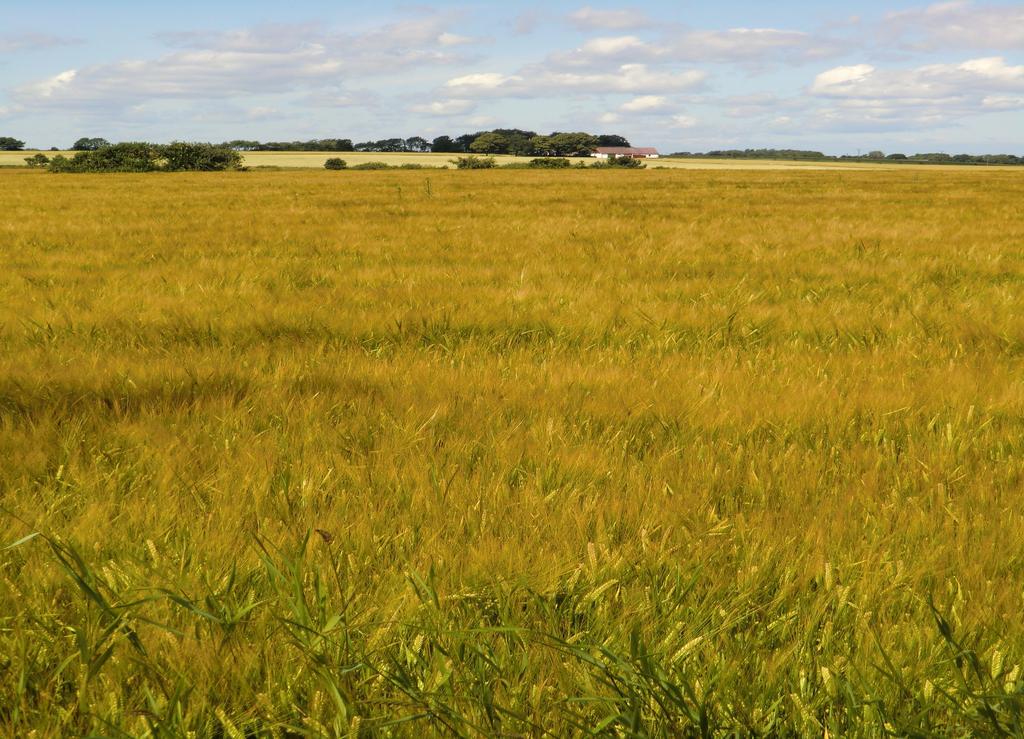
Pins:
x: 632, y: 152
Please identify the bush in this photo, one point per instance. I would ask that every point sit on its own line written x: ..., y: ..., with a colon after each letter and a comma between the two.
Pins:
x: 550, y: 163
x: 38, y: 161
x: 142, y: 157
x: 184, y: 157
x: 335, y: 163
x: 87, y: 144
x: 474, y: 162
x: 373, y: 165
x: 135, y: 157
x: 620, y: 163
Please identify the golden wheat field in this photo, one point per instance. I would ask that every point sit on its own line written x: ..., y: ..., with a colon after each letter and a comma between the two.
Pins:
x: 515, y: 453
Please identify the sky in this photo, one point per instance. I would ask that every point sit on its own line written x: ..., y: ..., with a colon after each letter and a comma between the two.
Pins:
x: 839, y: 77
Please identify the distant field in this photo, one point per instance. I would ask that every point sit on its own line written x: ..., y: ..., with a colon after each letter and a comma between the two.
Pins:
x: 512, y: 453
x: 315, y: 160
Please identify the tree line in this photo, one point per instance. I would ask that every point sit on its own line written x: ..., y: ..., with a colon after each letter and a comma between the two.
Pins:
x: 518, y: 142
x: 871, y: 156
x: 142, y: 157
x: 515, y: 141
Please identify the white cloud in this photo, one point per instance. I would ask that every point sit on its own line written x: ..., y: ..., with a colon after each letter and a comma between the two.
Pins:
x: 683, y: 121
x: 746, y: 46
x: 605, y: 50
x: 1002, y: 102
x: 11, y: 43
x: 52, y: 86
x: 960, y: 25
x: 589, y: 19
x: 444, y: 107
x: 965, y: 82
x: 453, y: 39
x: 613, y: 46
x: 332, y: 97
x: 645, y: 104
x: 265, y: 60
x: 865, y: 98
x: 837, y: 78
x: 539, y: 81
x: 263, y: 113
x: 483, y: 81
x: 754, y: 45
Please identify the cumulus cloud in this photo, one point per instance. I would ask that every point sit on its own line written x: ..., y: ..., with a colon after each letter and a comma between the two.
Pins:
x: 607, y: 50
x: 11, y: 43
x: 754, y: 45
x: 960, y: 24
x: 645, y: 104
x: 263, y: 60
x: 760, y: 46
x: 590, y: 19
x: 967, y: 82
x: 864, y: 98
x: 541, y: 81
x: 444, y: 107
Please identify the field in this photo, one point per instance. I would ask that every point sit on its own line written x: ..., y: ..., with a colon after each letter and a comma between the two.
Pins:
x: 513, y: 453
x: 315, y: 160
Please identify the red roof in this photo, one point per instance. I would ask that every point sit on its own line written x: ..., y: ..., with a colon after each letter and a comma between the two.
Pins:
x: 627, y: 150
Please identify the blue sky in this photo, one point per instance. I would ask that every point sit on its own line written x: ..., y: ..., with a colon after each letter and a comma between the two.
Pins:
x: 683, y: 76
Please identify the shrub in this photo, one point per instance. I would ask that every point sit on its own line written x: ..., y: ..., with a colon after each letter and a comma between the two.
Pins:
x: 335, y: 163
x: 372, y: 165
x: 550, y: 163
x: 185, y: 157
x: 620, y: 163
x: 134, y: 157
x: 87, y: 144
x: 474, y: 162
x: 142, y: 157
x: 38, y: 161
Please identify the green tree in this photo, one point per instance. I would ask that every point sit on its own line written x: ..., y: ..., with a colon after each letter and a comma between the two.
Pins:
x: 445, y: 145
x: 490, y: 143
x: 335, y: 163
x: 542, y: 145
x: 186, y: 157
x: 613, y: 140
x: 86, y: 144
x: 37, y: 161
x: 573, y: 144
x: 465, y: 140
x: 128, y: 157
x: 520, y: 146
x: 9, y: 143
